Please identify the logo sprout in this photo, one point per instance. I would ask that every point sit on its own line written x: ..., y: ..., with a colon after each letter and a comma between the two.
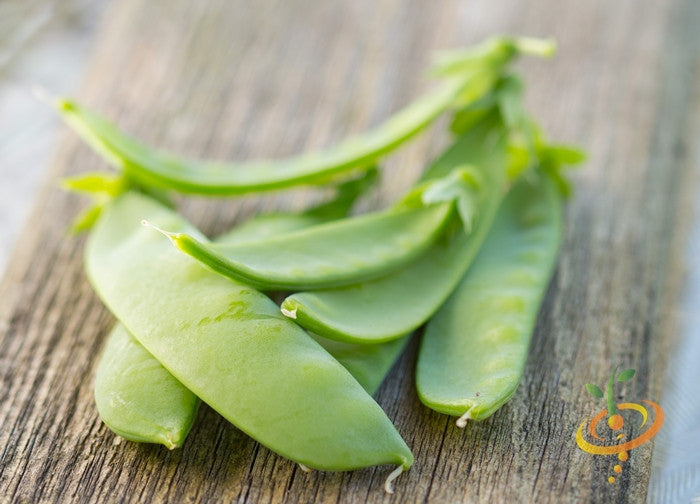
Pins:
x: 615, y: 420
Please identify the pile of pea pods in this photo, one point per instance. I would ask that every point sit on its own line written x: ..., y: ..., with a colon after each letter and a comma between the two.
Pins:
x: 466, y: 254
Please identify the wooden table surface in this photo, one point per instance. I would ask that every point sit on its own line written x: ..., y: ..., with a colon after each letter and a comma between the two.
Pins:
x: 241, y: 79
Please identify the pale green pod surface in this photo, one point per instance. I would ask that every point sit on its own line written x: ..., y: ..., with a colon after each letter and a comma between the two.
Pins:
x: 130, y: 381
x: 261, y: 227
x: 229, y: 344
x: 335, y: 253
x: 389, y: 307
x: 138, y: 398
x: 369, y: 364
x: 474, y: 349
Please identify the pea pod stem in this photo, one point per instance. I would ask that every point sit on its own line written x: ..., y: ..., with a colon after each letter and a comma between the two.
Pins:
x: 610, y: 395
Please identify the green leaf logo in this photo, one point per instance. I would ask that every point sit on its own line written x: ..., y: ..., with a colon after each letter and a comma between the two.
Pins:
x: 625, y: 375
x: 594, y: 390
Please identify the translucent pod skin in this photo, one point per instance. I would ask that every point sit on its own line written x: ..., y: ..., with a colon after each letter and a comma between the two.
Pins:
x: 138, y: 398
x: 229, y: 345
x: 473, y: 350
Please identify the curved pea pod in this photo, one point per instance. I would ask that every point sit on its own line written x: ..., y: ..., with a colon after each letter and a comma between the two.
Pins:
x: 161, y: 169
x: 138, y: 398
x: 474, y: 349
x: 467, y: 77
x: 229, y: 345
x: 386, y: 308
x: 336, y: 253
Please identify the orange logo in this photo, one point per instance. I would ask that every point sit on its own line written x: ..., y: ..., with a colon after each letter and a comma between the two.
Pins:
x: 617, y: 441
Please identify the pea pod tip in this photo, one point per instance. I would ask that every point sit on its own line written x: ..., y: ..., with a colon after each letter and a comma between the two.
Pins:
x: 172, y: 236
x: 388, y: 483
x: 462, y: 421
x: 292, y: 314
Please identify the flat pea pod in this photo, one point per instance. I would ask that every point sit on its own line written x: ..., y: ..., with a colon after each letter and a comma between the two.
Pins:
x: 138, y: 398
x: 384, y: 309
x: 468, y: 76
x: 229, y: 345
x: 335, y: 253
x: 473, y: 350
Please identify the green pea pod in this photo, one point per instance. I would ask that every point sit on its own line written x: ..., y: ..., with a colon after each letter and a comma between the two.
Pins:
x: 336, y: 253
x: 228, y: 344
x: 464, y: 83
x: 386, y: 308
x: 474, y: 349
x: 369, y: 364
x: 160, y: 169
x: 138, y: 398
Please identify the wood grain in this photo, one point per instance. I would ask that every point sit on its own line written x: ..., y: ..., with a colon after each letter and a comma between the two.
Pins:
x: 236, y: 80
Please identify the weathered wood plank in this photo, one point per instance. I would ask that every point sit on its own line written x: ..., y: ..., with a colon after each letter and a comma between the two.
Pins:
x: 230, y: 80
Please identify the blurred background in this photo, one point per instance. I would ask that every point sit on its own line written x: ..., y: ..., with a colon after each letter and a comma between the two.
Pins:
x: 43, y: 44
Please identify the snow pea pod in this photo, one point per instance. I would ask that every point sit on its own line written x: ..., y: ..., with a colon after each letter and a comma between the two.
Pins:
x: 138, y: 398
x: 336, y: 253
x: 383, y: 309
x: 473, y: 350
x: 229, y: 344
x: 468, y: 77
x: 151, y: 167
x: 368, y: 363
